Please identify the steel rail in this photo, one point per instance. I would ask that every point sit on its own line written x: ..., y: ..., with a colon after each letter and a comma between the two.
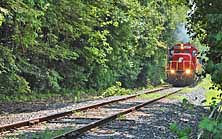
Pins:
x: 33, y: 121
x: 77, y: 132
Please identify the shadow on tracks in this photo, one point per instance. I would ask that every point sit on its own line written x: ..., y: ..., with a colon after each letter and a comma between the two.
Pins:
x: 152, y: 122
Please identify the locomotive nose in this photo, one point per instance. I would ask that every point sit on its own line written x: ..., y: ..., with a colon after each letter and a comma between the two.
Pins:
x: 180, y: 60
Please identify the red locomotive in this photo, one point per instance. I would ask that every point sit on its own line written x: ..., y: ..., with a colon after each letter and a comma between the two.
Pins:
x: 182, y: 65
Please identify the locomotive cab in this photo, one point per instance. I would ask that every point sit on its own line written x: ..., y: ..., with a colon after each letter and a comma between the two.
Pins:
x: 182, y: 64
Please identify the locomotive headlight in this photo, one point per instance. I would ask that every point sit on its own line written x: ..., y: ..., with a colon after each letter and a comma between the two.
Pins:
x: 187, y: 71
x: 182, y: 46
x: 172, y: 71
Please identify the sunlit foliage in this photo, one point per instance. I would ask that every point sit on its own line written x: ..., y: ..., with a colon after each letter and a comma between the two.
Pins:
x: 73, y: 44
x: 205, y: 23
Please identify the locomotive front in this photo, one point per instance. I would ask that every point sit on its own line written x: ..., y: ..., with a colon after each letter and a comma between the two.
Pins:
x: 182, y: 65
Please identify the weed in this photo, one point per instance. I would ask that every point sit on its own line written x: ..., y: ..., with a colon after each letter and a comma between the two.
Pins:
x: 156, y: 95
x: 176, y: 97
x: 212, y: 128
x: 181, y: 133
x: 116, y: 90
x: 78, y: 113
x: 187, y: 105
x: 122, y: 117
x: 150, y: 96
x: 48, y: 134
x: 213, y: 95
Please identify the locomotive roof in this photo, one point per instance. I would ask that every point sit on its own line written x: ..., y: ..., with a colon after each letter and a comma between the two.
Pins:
x: 185, y: 45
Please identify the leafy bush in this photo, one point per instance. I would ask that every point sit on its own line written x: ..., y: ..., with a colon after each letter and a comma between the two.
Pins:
x: 181, y: 133
x: 54, y: 79
x: 10, y: 81
x: 116, y: 90
x: 212, y: 128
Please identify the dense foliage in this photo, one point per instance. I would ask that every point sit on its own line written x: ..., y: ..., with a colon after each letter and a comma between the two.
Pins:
x: 205, y: 23
x: 61, y: 45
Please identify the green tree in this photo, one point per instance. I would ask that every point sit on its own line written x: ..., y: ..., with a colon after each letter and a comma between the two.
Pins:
x: 205, y: 24
x: 84, y: 44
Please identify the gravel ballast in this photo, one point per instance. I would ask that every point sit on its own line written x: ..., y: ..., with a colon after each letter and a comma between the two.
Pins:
x: 152, y: 121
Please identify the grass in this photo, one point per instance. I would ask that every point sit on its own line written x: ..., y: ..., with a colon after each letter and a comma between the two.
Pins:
x: 27, y: 97
x: 48, y: 134
x: 150, y: 96
x: 122, y: 117
x: 177, y: 97
x: 70, y: 95
x: 46, y: 96
x: 157, y: 95
x: 78, y: 113
x: 189, y: 89
x: 205, y: 83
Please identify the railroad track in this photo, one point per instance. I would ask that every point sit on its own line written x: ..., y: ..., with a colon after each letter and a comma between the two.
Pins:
x: 78, y: 131
x: 29, y: 122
